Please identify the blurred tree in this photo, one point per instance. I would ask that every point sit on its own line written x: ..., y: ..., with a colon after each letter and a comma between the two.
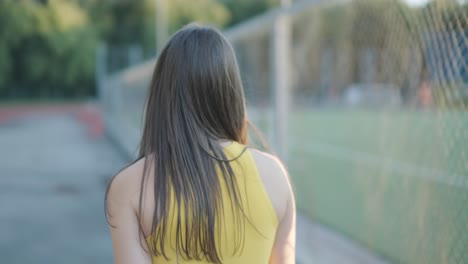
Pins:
x: 203, y: 11
x: 47, y: 49
x: 14, y: 25
x: 134, y: 21
x: 100, y: 13
x: 126, y: 23
x: 244, y: 9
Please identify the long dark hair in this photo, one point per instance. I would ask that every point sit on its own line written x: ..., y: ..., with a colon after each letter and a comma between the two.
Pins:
x: 195, y: 100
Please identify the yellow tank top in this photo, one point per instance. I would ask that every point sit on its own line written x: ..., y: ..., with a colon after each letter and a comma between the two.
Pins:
x: 259, y: 236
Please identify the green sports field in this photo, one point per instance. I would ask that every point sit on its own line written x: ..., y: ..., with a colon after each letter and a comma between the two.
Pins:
x: 396, y: 181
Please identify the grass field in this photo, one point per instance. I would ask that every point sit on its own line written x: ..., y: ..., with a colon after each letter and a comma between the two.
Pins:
x: 395, y: 181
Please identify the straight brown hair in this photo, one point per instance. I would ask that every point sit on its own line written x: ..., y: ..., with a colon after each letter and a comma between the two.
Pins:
x: 195, y: 100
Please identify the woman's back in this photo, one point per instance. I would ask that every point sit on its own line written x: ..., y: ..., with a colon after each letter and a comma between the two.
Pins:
x: 188, y: 198
x: 269, y: 236
x: 260, y: 221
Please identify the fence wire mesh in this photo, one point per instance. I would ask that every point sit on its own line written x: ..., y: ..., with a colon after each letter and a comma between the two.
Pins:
x: 378, y: 131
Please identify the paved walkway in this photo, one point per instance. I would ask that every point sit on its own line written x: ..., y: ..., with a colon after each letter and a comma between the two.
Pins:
x: 53, y: 173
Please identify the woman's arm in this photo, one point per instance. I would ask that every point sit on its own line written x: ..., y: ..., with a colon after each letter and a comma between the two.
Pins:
x: 123, y: 221
x: 284, y: 248
x: 276, y: 181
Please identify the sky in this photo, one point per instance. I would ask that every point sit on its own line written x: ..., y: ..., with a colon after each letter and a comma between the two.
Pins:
x: 422, y: 2
x: 416, y: 2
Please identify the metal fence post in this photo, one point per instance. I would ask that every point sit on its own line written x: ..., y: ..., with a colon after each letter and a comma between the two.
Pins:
x: 281, y: 38
x: 162, y: 23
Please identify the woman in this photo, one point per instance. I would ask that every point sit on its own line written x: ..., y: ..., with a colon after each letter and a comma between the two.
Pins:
x: 197, y: 194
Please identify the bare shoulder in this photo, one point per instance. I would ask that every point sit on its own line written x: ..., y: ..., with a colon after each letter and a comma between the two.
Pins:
x: 124, y: 188
x: 275, y: 179
x: 270, y: 164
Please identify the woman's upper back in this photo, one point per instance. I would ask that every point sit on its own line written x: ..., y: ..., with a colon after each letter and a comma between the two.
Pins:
x: 259, y: 225
x: 267, y: 202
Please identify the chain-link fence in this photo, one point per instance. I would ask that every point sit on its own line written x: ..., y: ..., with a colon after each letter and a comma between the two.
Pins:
x: 377, y: 124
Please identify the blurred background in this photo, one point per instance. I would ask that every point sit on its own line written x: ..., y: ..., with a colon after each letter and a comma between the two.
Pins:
x: 365, y: 101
